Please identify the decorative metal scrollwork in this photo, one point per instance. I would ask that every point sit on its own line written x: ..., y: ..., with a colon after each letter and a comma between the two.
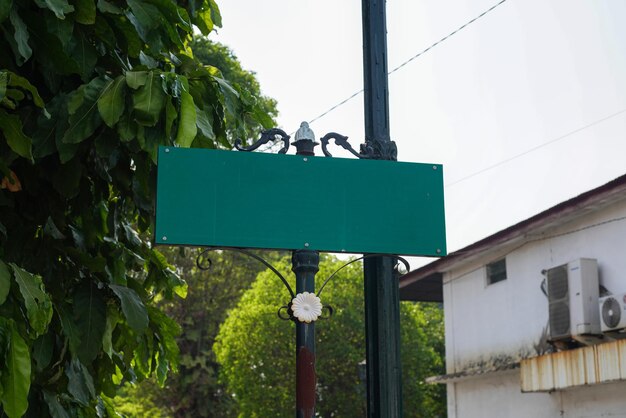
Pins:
x: 288, y: 314
x: 369, y: 150
x: 341, y: 141
x: 204, y: 263
x: 267, y: 136
x: 285, y: 312
x: 402, y: 260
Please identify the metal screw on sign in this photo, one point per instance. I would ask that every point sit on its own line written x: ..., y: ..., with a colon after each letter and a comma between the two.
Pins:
x: 305, y: 306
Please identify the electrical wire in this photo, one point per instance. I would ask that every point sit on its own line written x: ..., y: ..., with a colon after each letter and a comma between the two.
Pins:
x: 552, y: 141
x: 457, y: 30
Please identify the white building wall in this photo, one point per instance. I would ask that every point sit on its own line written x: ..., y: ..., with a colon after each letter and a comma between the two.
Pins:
x: 499, y: 396
x: 488, y: 325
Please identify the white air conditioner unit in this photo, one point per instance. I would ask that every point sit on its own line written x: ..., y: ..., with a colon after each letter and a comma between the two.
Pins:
x: 572, y: 295
x: 613, y: 312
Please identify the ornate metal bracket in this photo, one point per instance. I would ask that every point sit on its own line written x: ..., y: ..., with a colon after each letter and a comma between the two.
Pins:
x: 205, y: 263
x: 267, y: 136
x: 284, y: 312
x: 402, y: 260
x: 341, y: 141
x: 385, y: 150
x: 369, y: 150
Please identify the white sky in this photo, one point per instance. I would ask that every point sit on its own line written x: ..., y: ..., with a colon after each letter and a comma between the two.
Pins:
x: 527, y: 73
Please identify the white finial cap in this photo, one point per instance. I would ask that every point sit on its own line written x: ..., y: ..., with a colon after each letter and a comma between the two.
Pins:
x: 305, y: 133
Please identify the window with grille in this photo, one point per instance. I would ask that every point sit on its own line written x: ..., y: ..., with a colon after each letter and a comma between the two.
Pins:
x: 496, y: 271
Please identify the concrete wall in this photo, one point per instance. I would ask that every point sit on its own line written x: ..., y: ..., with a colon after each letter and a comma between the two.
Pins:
x: 488, y: 325
x: 499, y: 396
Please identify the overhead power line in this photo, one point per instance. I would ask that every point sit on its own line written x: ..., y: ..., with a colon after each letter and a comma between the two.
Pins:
x: 460, y: 28
x: 552, y: 141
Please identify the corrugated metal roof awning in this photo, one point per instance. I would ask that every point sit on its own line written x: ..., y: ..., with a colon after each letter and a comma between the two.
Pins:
x: 473, y: 373
x: 600, y: 363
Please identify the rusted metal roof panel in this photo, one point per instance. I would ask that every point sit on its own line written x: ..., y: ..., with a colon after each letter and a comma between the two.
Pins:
x: 600, y: 363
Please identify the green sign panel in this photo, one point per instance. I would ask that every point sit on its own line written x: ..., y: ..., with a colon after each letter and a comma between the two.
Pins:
x: 275, y: 201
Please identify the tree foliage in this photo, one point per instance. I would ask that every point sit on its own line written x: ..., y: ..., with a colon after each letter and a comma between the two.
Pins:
x: 256, y: 350
x: 88, y: 91
x: 220, y: 56
x: 195, y: 389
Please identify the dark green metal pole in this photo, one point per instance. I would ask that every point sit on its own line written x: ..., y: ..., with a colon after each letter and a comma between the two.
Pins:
x: 382, y: 302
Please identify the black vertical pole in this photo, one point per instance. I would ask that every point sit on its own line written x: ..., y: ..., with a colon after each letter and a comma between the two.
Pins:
x: 305, y: 264
x: 382, y: 306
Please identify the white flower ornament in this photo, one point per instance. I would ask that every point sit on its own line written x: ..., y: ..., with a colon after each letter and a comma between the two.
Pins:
x: 306, y: 307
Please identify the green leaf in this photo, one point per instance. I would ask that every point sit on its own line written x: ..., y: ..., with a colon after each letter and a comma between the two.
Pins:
x: 113, y: 318
x: 85, y: 12
x: 84, y: 117
x: 15, y: 376
x: 90, y: 317
x: 262, y: 117
x: 15, y: 95
x: 70, y: 329
x: 42, y: 351
x: 61, y: 29
x: 170, y: 116
x: 4, y: 78
x: 187, y: 128
x: 204, y: 123
x: 142, y: 355
x: 51, y: 229
x: 5, y: 8
x: 83, y: 54
x: 132, y: 306
x: 127, y: 36
x: 11, y: 127
x: 107, y: 7
x: 18, y: 81
x: 149, y: 139
x: 149, y: 100
x: 21, y: 35
x: 5, y: 282
x: 54, y: 406
x: 136, y: 79
x: 168, y: 330
x: 144, y: 17
x: 80, y: 383
x: 111, y: 103
x: 147, y: 61
x: 126, y: 129
x: 216, y: 16
x: 36, y: 300
x: 173, y: 13
x: 204, y: 22
x: 59, y: 7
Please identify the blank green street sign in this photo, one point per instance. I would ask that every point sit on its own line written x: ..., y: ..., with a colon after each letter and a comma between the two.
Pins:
x: 275, y: 201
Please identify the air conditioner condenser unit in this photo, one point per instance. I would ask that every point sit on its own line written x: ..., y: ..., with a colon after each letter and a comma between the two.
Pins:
x: 613, y: 312
x: 573, y: 294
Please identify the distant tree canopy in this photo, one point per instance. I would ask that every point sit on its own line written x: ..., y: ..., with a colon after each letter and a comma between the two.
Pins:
x: 256, y: 350
x: 88, y: 91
